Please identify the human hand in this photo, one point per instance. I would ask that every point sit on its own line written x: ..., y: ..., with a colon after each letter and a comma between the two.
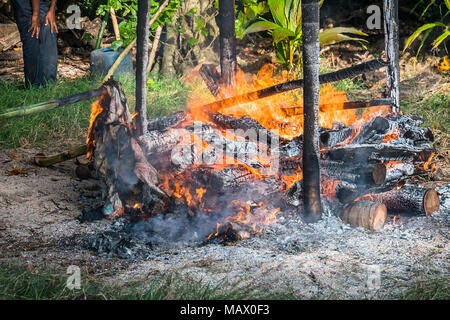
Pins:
x: 35, y: 26
x: 50, y: 18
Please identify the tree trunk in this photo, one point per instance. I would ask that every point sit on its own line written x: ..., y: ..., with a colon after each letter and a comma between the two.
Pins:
x: 141, y: 65
x: 391, y: 31
x: 225, y: 21
x: 311, y: 168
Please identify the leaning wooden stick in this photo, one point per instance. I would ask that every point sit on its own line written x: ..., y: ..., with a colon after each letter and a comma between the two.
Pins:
x: 43, y: 161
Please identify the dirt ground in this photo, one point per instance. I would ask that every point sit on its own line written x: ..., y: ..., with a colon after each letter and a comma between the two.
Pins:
x: 38, y: 207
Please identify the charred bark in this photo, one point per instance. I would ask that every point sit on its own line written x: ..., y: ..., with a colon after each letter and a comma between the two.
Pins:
x: 362, y: 174
x: 391, y: 31
x: 410, y: 198
x: 211, y: 77
x: 143, y: 17
x: 364, y: 153
x: 227, y: 38
x: 245, y: 124
x: 311, y: 168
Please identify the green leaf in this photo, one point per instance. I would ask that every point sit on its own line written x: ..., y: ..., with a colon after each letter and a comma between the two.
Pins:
x: 447, y: 3
x: 277, y: 10
x: 279, y: 34
x: 441, y: 38
x: 420, y: 30
x: 336, y: 38
x: 260, y: 26
x: 116, y: 45
x: 336, y: 35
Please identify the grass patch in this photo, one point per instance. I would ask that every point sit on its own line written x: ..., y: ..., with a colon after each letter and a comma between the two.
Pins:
x: 433, y: 109
x: 64, y: 125
x: 18, y: 282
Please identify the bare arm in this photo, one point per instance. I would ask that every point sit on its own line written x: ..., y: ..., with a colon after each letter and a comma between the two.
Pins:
x: 35, y: 23
x: 50, y: 17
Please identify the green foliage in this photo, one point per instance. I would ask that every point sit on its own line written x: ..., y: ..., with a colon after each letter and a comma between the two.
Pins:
x: 286, y: 31
x: 250, y: 11
x: 428, y: 27
x: 126, y: 11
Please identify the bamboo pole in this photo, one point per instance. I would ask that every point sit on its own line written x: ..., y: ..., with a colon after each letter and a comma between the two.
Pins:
x: 102, y: 30
x: 49, y: 105
x: 43, y: 161
x: 312, y: 207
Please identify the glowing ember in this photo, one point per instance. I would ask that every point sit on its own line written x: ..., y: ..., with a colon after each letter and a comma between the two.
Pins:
x: 390, y: 136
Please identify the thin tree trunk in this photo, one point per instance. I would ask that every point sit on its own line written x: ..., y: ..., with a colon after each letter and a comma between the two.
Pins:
x: 114, y: 22
x: 227, y: 39
x: 391, y: 32
x: 141, y: 65
x: 155, y: 45
x: 311, y: 168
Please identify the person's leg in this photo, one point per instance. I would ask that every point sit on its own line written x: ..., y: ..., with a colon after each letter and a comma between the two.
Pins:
x: 30, y: 46
x: 48, y: 51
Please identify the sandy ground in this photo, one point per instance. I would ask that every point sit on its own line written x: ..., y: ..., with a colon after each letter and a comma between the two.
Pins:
x: 328, y: 259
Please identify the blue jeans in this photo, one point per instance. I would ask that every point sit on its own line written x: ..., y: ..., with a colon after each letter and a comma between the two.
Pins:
x: 40, y: 55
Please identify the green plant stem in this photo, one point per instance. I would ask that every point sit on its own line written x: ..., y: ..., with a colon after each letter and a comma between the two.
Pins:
x: 102, y: 30
x: 49, y: 105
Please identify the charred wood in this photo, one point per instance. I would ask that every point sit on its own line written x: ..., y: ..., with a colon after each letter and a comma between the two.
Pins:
x: 258, y: 132
x: 211, y: 77
x: 410, y: 198
x: 364, y: 153
x: 367, y: 174
x: 172, y: 121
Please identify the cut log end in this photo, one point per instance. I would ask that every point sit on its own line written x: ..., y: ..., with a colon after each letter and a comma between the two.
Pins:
x: 431, y: 202
x: 367, y: 214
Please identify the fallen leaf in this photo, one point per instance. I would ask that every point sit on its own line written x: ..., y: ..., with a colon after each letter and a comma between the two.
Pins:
x: 15, y: 171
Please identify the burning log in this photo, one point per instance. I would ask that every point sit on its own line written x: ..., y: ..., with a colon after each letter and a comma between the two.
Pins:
x: 172, y: 121
x: 246, y: 123
x: 127, y: 175
x: 363, y: 153
x: 342, y: 74
x: 330, y: 138
x: 410, y: 198
x: 373, y: 132
x: 365, y: 174
x: 367, y: 214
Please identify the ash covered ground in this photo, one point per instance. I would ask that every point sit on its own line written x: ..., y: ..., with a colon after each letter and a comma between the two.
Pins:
x: 38, y: 226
